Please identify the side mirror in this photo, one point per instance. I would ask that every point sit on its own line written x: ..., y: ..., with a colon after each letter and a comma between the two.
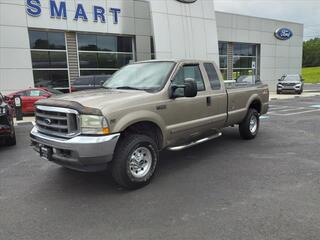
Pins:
x: 46, y: 95
x: 189, y: 89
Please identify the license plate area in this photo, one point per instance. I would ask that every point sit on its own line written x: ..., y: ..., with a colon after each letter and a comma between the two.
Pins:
x: 46, y: 152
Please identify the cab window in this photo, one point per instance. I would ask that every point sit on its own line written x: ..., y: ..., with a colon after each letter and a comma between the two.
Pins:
x: 213, y: 76
x: 190, y: 71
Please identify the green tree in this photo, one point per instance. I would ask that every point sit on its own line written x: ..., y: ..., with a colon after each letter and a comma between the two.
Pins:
x: 311, y: 53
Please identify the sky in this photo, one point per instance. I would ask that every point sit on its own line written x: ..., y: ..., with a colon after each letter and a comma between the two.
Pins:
x: 302, y: 11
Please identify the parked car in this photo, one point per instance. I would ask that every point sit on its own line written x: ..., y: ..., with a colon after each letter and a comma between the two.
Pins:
x: 89, y: 82
x: 290, y: 83
x: 30, y: 96
x: 7, y: 133
x: 144, y: 108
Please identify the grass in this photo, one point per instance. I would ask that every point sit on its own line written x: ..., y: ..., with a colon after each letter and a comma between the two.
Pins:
x: 311, y: 74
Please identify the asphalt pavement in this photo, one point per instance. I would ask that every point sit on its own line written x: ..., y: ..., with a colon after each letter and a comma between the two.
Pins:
x: 228, y: 188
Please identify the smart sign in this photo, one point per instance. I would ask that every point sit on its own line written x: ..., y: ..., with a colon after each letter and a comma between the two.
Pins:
x: 58, y: 9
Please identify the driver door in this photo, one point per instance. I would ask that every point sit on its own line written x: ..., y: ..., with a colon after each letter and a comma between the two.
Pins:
x: 187, y: 118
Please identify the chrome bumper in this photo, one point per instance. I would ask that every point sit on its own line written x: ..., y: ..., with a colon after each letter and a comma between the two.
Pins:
x: 83, y: 153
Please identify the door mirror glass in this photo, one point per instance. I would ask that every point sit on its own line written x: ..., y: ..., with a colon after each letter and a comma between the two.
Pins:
x: 190, y: 89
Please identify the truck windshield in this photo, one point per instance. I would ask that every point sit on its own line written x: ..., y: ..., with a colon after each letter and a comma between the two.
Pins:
x: 149, y: 76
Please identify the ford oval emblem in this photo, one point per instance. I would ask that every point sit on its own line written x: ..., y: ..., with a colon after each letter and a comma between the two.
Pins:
x: 48, y: 121
x: 187, y: 1
x: 283, y: 33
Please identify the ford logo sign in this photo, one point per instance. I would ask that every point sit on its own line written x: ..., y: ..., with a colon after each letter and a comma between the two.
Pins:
x: 283, y: 33
x: 47, y: 121
x: 187, y: 1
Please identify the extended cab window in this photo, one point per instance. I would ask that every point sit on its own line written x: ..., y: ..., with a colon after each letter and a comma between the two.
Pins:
x: 190, y: 71
x: 213, y: 76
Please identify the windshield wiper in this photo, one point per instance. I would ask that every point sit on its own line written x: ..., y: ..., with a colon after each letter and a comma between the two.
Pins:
x: 130, y: 88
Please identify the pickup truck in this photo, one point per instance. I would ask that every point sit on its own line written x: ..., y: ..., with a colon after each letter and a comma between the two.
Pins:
x: 142, y: 109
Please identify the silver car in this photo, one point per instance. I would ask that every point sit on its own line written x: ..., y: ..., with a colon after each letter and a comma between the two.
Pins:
x: 290, y: 83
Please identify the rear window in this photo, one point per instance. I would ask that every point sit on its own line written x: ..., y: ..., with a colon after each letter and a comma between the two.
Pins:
x: 83, y: 81
x: 213, y: 76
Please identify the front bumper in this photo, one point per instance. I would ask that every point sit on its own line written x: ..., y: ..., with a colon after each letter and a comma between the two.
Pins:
x: 289, y: 88
x: 82, y: 153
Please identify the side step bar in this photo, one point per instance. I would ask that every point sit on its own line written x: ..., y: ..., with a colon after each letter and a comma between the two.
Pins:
x: 178, y: 148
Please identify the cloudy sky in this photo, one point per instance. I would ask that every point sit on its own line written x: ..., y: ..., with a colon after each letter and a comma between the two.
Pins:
x: 303, y: 11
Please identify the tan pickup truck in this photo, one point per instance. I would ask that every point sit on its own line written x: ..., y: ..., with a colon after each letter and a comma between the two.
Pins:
x: 144, y: 108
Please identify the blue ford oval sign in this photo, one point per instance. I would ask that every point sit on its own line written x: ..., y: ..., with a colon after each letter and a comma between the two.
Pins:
x: 283, y: 33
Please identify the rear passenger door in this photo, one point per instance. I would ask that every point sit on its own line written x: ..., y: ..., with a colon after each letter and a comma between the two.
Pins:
x: 218, y: 99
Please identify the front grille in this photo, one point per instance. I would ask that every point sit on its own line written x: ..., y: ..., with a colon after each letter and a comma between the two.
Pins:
x: 61, y: 122
x: 289, y: 84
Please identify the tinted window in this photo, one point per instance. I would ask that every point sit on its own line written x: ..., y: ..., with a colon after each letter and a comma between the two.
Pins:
x: 56, y: 40
x: 38, y: 40
x: 213, y: 76
x: 84, y: 81
x: 87, y: 42
x: 223, y: 48
x: 124, y: 44
x: 107, y: 43
x: 192, y: 71
x: 43, y: 59
x: 51, y: 78
x: 47, y: 40
x: 88, y: 60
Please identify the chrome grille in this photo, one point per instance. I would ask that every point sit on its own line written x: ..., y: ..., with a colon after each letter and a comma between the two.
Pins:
x: 61, y: 122
x: 289, y: 84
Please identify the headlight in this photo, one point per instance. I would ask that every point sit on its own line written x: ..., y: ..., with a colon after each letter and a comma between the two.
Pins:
x: 298, y: 85
x: 94, y: 125
x: 3, y: 110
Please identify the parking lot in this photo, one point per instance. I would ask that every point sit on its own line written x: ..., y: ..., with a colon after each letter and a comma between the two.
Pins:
x: 268, y: 188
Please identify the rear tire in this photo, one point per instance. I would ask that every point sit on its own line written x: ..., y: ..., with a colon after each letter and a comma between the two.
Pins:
x: 249, y: 127
x: 135, y: 161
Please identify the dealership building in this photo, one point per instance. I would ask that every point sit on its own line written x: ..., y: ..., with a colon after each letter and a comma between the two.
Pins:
x: 50, y: 43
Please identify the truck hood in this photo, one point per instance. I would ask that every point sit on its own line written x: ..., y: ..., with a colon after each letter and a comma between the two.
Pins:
x: 98, y: 99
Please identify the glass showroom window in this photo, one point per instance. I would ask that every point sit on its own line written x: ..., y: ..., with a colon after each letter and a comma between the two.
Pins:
x: 49, y: 59
x: 223, y: 59
x: 244, y: 60
x: 103, y: 54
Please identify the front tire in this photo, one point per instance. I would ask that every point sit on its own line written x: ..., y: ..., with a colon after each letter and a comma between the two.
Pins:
x: 249, y: 127
x: 135, y: 161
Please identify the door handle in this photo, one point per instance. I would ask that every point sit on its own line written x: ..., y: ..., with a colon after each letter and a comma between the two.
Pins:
x: 208, y: 101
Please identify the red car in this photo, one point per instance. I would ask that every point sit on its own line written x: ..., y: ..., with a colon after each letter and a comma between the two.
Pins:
x: 30, y: 96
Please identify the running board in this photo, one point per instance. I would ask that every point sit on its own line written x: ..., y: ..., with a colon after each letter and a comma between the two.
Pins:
x: 182, y: 147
